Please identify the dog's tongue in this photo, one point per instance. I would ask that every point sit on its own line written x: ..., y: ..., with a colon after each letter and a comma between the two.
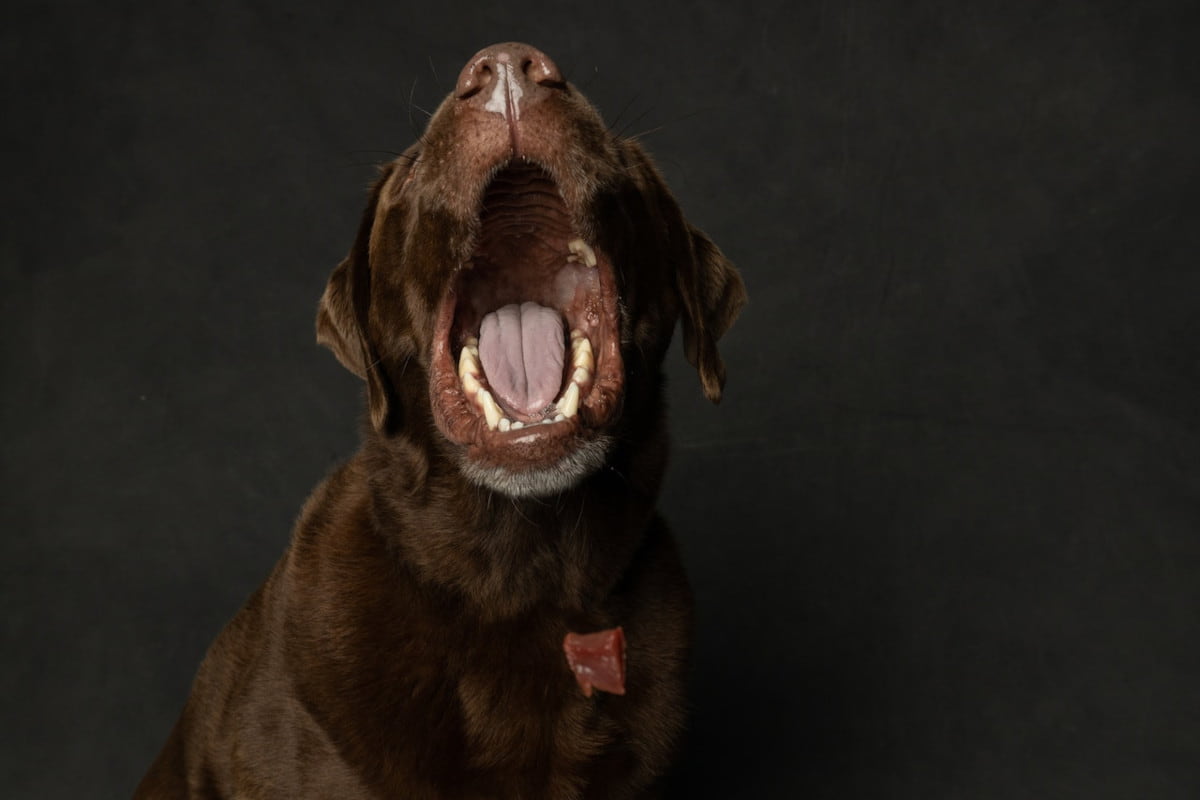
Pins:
x: 521, y: 350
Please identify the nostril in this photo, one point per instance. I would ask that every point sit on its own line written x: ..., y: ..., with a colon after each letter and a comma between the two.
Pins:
x: 539, y: 69
x: 474, y: 78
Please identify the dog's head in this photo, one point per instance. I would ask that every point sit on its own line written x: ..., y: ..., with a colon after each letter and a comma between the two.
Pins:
x: 516, y: 279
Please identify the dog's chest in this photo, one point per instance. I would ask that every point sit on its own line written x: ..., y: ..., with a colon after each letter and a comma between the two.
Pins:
x: 519, y: 700
x: 517, y: 722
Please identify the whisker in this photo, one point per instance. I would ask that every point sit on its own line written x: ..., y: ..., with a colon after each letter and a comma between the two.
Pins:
x: 678, y: 119
x: 617, y: 119
x: 412, y: 123
x: 381, y: 151
x: 649, y: 131
x: 517, y: 508
x: 632, y: 122
x: 579, y: 519
x: 410, y: 158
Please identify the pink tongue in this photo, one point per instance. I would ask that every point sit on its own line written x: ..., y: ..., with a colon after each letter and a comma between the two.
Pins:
x: 521, y: 349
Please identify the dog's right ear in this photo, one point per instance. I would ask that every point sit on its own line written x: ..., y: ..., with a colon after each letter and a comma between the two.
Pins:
x: 337, y: 324
x: 342, y: 313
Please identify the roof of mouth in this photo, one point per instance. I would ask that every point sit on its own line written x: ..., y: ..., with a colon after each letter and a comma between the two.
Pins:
x: 521, y: 208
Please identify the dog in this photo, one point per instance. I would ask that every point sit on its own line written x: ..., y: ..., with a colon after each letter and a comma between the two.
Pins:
x: 508, y: 300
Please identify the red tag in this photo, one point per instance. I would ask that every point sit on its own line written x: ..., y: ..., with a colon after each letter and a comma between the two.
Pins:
x: 597, y: 659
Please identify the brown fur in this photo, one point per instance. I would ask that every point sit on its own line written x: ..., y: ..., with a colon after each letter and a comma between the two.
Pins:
x: 408, y: 644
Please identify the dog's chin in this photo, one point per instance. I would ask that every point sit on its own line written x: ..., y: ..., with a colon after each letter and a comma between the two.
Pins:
x: 560, y: 477
x: 526, y: 370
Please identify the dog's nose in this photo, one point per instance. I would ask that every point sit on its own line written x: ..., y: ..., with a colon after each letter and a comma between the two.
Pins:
x: 508, y: 78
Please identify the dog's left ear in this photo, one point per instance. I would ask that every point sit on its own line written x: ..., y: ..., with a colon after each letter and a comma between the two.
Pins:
x: 709, y: 289
x: 711, y: 295
x: 343, y: 310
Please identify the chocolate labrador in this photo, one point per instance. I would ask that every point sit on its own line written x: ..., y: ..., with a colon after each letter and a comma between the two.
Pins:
x: 508, y: 300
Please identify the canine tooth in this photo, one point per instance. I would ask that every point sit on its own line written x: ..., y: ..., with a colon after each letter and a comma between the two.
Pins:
x: 516, y: 426
x: 505, y: 423
x: 569, y: 403
x: 581, y: 354
x: 583, y: 250
x: 470, y: 384
x: 491, y: 411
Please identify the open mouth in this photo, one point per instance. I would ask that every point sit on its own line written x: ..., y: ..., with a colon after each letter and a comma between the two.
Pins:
x: 526, y: 356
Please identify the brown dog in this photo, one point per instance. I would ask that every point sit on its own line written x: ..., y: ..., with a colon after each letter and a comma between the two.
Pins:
x: 509, y: 298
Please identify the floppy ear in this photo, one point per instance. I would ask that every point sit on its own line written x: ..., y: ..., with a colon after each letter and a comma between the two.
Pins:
x: 337, y: 324
x: 711, y: 295
x: 707, y: 285
x: 342, y: 314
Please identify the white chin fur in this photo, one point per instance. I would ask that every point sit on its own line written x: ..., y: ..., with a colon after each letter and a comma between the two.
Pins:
x: 541, y: 482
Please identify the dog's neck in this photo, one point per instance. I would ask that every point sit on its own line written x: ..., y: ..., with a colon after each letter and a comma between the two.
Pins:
x: 503, y: 555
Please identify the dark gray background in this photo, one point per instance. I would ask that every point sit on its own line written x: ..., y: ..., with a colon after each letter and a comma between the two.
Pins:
x: 944, y: 528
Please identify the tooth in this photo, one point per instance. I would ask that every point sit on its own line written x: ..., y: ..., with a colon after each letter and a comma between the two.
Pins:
x: 569, y: 403
x: 580, y: 375
x: 581, y: 354
x: 490, y: 410
x: 472, y: 341
x: 583, y: 360
x: 584, y: 251
x: 559, y: 417
x: 505, y: 423
x: 470, y: 384
x: 576, y: 334
x: 468, y: 362
x: 516, y: 426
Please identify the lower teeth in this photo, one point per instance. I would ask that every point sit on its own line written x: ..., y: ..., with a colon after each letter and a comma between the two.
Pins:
x: 565, y: 407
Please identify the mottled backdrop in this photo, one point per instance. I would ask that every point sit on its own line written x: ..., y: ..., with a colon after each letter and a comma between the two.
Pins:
x: 944, y: 530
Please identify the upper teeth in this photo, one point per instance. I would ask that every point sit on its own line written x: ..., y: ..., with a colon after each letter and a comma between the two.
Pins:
x: 567, y: 405
x: 581, y: 352
x: 581, y: 251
